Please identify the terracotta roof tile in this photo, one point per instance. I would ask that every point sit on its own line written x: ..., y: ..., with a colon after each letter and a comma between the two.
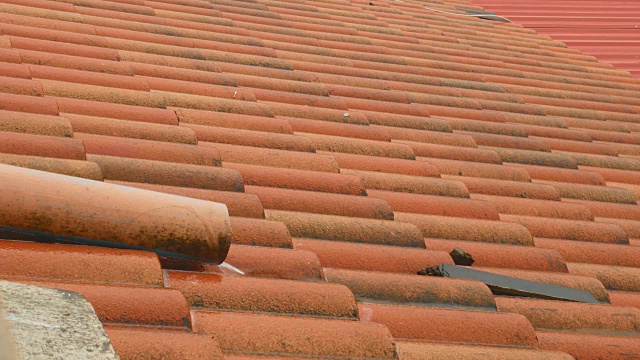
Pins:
x: 208, y: 291
x: 135, y: 343
x: 625, y: 299
x: 612, y: 210
x: 592, y: 192
x: 409, y: 183
x: 188, y: 117
x: 423, y: 351
x: 631, y: 227
x: 342, y: 228
x: 168, y: 173
x: 588, y: 346
x: 116, y: 111
x: 613, y: 277
x: 437, y: 205
x: 276, y: 263
x: 41, y: 145
x: 580, y: 176
x: 252, y: 138
x: 146, y: 306
x: 470, y: 154
x: 360, y: 146
x: 274, y: 157
x: 559, y: 315
x: 109, y: 266
x: 285, y: 335
x: 570, y: 229
x: 322, y: 203
x: 508, y: 141
x: 357, y: 256
x: 383, y: 164
x: 77, y: 168
x: 258, y: 232
x: 533, y: 207
x: 444, y: 227
x: 20, y: 86
x: 149, y: 149
x: 411, y: 122
x: 446, y: 325
x: 479, y: 170
x: 337, y: 129
x: 413, y: 289
x: 593, y: 253
x: 13, y: 121
x: 503, y: 255
x: 299, y: 179
x: 238, y: 204
x: 603, y: 161
x: 63, y: 48
x: 129, y: 129
x: 519, y: 188
x: 316, y: 113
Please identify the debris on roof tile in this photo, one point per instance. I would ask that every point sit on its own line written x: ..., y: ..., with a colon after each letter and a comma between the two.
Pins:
x: 506, y: 285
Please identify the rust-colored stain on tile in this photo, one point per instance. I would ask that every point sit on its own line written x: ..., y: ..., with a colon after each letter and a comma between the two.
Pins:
x: 347, y: 144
